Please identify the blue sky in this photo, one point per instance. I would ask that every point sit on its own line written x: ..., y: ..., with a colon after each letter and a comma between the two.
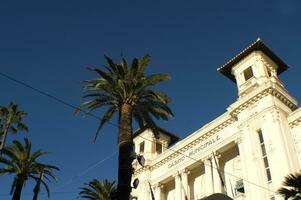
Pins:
x: 49, y: 44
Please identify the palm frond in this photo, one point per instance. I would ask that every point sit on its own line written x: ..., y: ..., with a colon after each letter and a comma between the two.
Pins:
x: 291, y: 187
x: 21, y: 161
x: 98, y: 190
x: 106, y: 117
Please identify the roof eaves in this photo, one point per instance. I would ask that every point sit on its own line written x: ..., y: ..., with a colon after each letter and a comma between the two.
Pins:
x: 258, y: 45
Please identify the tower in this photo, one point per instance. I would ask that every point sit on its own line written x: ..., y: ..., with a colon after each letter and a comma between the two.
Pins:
x: 254, y: 66
x: 262, y: 110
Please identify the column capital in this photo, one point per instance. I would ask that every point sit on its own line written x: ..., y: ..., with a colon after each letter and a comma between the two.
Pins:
x: 238, y: 140
x: 206, y: 159
x: 176, y: 175
x: 184, y: 171
x: 217, y: 154
x: 158, y: 185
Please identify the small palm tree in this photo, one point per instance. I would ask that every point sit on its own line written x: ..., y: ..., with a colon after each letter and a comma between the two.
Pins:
x: 126, y: 90
x: 291, y: 187
x: 21, y: 161
x: 97, y: 190
x: 10, y: 122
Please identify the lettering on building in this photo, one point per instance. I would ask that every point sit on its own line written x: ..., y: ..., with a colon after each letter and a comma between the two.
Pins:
x: 196, y: 150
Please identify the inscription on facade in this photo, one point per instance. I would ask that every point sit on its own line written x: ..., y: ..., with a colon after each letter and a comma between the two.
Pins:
x: 196, y: 150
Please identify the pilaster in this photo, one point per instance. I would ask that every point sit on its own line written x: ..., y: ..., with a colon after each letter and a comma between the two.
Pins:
x: 243, y: 162
x: 217, y: 183
x: 249, y: 148
x: 178, y: 188
x: 185, y: 187
x: 208, y: 175
x: 158, y: 191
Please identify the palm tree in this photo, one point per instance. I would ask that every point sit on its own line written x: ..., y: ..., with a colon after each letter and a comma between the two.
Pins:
x: 21, y: 161
x: 96, y: 190
x: 10, y: 122
x: 125, y: 89
x: 291, y: 187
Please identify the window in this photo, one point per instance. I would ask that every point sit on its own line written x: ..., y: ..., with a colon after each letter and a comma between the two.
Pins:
x: 264, y: 156
x: 158, y: 148
x: 141, y: 147
x: 240, y: 186
x: 248, y: 73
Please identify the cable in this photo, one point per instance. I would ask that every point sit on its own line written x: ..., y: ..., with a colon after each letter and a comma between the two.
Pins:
x: 47, y: 94
x: 114, y: 125
x: 81, y: 173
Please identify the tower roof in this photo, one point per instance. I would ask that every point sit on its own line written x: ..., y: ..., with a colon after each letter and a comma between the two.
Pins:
x: 258, y: 45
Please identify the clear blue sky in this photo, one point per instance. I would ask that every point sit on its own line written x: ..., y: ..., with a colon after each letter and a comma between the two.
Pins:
x: 49, y: 44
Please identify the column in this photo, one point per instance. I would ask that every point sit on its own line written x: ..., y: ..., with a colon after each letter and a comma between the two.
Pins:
x: 279, y: 146
x: 208, y: 176
x: 184, y: 186
x: 158, y: 191
x: 217, y: 183
x: 178, y: 188
x: 248, y: 150
x: 243, y: 164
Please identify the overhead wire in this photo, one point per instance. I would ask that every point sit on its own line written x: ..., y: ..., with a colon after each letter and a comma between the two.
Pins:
x: 82, y: 173
x: 114, y: 125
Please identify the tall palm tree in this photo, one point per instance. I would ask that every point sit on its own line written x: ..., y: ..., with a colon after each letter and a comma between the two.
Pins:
x: 126, y: 90
x: 98, y: 190
x: 291, y: 187
x: 10, y: 122
x: 21, y: 161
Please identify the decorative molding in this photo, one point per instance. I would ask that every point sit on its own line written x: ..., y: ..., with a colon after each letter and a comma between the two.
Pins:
x: 295, y: 123
x: 142, y: 169
x: 184, y: 171
x: 238, y: 140
x: 206, y: 159
x: 176, y: 175
x: 268, y: 91
x: 217, y: 154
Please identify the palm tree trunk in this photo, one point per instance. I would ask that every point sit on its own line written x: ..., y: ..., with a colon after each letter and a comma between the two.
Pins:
x: 125, y: 150
x: 18, y: 190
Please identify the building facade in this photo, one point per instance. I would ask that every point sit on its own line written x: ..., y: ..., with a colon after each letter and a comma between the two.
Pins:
x: 245, y: 153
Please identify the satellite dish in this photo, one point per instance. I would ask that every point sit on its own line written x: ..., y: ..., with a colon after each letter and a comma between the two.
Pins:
x: 135, y: 183
x: 141, y: 160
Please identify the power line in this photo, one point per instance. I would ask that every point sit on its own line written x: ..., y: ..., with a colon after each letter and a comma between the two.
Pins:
x: 80, y: 174
x: 114, y: 125
x: 85, y: 171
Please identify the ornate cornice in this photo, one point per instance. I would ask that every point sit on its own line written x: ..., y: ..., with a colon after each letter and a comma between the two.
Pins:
x: 142, y: 169
x: 295, y: 123
x: 268, y: 91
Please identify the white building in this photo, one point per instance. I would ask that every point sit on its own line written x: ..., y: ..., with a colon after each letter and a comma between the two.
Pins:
x: 244, y: 153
